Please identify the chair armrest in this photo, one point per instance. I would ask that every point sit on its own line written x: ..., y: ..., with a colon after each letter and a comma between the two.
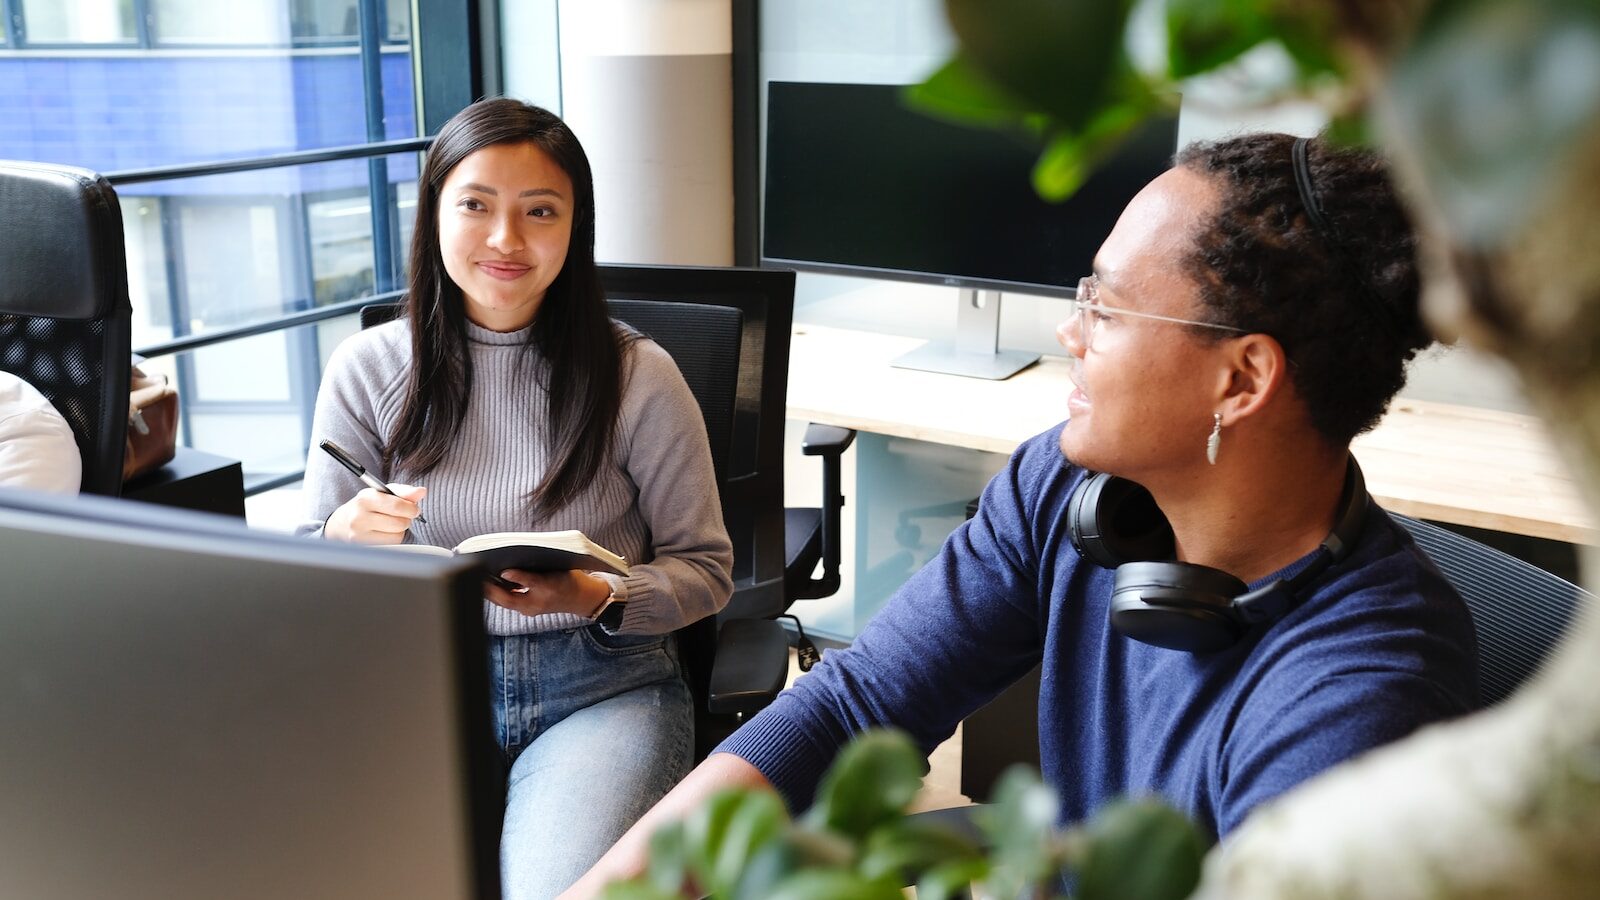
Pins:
x: 751, y: 664
x: 826, y: 440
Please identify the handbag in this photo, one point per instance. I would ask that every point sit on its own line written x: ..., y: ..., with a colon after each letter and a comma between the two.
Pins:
x: 152, y: 424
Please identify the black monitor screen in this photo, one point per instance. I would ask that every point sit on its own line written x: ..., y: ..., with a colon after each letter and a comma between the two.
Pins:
x: 860, y: 184
x: 194, y: 709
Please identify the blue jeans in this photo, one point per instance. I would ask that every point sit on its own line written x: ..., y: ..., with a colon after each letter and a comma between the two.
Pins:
x: 595, y: 728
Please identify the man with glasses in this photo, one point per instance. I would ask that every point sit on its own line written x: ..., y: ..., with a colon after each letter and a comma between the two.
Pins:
x: 1228, y: 616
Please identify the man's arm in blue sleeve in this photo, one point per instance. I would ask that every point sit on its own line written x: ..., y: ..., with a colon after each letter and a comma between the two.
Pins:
x: 957, y: 633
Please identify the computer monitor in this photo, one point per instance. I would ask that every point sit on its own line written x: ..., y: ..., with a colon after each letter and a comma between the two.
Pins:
x: 192, y: 709
x: 858, y: 183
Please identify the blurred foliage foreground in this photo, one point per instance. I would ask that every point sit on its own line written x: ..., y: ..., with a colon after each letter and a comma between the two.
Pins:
x: 857, y: 843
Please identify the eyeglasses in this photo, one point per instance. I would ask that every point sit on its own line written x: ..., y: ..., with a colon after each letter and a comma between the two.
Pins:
x: 1090, y: 313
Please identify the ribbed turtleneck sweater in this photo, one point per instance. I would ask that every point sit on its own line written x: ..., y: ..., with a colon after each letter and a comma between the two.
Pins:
x: 654, y: 500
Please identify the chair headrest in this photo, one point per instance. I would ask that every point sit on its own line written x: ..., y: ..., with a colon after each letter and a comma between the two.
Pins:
x: 61, y: 252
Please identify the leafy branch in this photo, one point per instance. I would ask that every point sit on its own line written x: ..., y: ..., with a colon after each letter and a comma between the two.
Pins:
x: 857, y: 843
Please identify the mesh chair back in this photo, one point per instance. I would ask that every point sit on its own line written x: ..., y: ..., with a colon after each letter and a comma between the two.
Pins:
x: 64, y: 315
x: 704, y: 342
x: 751, y: 481
x: 1519, y: 611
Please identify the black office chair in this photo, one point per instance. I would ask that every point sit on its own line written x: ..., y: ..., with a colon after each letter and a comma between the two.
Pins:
x: 1519, y: 613
x: 728, y: 331
x: 64, y: 316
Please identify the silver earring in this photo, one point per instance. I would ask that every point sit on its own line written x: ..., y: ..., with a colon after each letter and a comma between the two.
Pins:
x: 1215, y: 440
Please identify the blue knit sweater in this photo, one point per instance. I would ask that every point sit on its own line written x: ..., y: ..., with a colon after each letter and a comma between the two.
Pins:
x: 1379, y: 645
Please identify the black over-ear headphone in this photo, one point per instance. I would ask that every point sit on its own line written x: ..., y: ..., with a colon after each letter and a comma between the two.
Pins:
x: 1114, y: 523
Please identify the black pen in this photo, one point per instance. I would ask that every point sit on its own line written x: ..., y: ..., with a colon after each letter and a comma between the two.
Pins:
x: 359, y: 471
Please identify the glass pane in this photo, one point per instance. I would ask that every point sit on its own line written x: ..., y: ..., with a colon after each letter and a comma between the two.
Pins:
x: 229, y: 250
x: 406, y: 206
x: 148, y: 284
x: 78, y: 21
x: 399, y: 21
x: 324, y: 21
x: 252, y: 399
x: 341, y: 248
x: 233, y: 260
x: 118, y: 109
x: 263, y: 22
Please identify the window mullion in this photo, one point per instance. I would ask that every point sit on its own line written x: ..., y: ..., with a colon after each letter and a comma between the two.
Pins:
x: 12, y: 10
x: 142, y: 24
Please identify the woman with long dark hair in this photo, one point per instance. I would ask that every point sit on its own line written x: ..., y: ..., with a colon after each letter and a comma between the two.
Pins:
x: 509, y: 398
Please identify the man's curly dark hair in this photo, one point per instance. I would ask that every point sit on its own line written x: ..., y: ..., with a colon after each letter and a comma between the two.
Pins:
x: 1342, y: 300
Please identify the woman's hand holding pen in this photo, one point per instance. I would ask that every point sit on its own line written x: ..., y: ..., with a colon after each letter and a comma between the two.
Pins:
x: 373, y: 517
x: 549, y: 592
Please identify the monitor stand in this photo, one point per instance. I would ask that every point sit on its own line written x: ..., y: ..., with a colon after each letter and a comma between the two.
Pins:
x: 976, y: 352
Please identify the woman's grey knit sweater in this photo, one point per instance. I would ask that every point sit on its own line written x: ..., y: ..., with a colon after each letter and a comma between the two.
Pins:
x: 654, y: 500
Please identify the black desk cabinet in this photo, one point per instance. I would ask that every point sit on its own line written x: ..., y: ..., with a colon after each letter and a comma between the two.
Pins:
x: 193, y: 480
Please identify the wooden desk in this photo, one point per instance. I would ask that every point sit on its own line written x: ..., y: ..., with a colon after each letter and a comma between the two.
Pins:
x: 1455, y: 464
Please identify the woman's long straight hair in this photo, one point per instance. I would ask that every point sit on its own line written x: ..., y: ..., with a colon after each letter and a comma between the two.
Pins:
x: 579, y: 350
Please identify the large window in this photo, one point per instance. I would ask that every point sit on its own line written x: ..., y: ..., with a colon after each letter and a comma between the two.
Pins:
x: 126, y: 85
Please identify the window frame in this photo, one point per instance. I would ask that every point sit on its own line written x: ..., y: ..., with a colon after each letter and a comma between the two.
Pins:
x: 15, y: 32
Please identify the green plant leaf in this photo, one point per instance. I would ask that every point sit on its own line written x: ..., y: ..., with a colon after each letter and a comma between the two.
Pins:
x: 756, y: 824
x: 1308, y: 32
x: 764, y: 870
x: 1349, y: 129
x: 819, y: 847
x: 1020, y: 824
x: 637, y: 889
x: 1204, y: 34
x: 1140, y: 850
x: 873, y: 781
x: 947, y: 880
x: 1071, y: 156
x: 903, y: 850
x: 822, y: 884
x: 1494, y: 97
x: 670, y: 861
x: 1056, y: 56
x: 704, y: 830
x: 960, y: 92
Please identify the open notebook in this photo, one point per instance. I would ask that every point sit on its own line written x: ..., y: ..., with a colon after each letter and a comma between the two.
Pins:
x: 531, y: 551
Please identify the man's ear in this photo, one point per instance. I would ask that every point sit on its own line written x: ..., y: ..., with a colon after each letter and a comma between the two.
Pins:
x: 1256, y: 369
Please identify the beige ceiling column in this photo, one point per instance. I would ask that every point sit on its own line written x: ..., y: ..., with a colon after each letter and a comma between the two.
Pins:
x: 647, y: 86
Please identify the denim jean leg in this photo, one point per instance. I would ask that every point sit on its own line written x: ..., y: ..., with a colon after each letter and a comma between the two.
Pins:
x: 586, y: 779
x: 514, y: 691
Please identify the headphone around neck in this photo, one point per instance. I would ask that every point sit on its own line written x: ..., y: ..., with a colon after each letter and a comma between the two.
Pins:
x: 1115, y: 524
